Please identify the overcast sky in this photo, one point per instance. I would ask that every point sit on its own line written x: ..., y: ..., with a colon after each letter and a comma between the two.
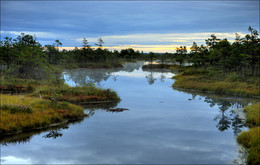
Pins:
x: 158, y: 26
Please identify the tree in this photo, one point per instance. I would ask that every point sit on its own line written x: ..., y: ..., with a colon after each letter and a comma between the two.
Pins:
x: 204, y: 56
x: 58, y: 43
x: 224, y: 47
x: 253, y: 49
x: 194, y: 55
x: 84, y: 49
x: 50, y: 52
x: 237, y: 55
x: 151, y: 55
x: 212, y: 42
x: 100, y: 43
x: 181, y: 54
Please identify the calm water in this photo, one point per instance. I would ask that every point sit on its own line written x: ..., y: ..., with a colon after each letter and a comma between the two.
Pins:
x: 162, y: 125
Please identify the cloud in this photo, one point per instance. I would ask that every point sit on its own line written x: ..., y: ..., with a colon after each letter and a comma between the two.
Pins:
x: 159, y: 38
x: 42, y: 35
x: 37, y: 34
x: 157, y: 42
x: 15, y: 160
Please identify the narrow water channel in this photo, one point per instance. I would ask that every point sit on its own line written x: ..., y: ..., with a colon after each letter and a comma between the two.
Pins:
x: 162, y: 125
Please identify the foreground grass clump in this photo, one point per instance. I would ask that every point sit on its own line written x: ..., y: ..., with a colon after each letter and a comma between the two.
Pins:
x: 83, y: 94
x: 253, y: 115
x: 213, y: 81
x: 20, y: 113
x: 251, y: 139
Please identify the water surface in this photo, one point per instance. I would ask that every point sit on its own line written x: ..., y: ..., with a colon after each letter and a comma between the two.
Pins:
x: 162, y: 125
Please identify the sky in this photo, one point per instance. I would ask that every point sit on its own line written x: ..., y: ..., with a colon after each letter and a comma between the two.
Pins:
x: 157, y: 26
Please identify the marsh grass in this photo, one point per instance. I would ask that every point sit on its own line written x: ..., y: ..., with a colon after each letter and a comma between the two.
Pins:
x: 253, y: 115
x: 160, y: 66
x: 16, y: 108
x: 101, y: 65
x: 42, y: 113
x: 212, y: 80
x: 251, y: 140
x: 78, y: 94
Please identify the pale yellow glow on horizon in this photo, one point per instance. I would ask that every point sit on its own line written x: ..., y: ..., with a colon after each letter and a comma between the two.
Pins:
x: 144, y: 48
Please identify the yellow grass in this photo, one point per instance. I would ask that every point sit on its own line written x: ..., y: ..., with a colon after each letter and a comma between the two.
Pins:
x: 44, y: 113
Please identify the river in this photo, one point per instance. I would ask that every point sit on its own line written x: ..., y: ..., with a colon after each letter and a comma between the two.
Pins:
x: 162, y: 125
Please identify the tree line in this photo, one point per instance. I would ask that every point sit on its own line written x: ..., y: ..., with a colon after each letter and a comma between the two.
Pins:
x: 24, y: 57
x: 241, y: 56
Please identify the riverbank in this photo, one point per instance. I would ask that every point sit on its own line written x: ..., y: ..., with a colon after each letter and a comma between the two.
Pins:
x: 157, y: 66
x: 20, y: 113
x: 251, y: 139
x: 78, y: 95
x: 212, y: 81
x: 42, y: 104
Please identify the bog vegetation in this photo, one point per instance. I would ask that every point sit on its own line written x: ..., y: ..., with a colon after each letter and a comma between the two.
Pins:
x: 20, y: 113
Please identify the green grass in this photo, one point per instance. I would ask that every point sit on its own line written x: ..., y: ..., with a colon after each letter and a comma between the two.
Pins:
x: 40, y: 113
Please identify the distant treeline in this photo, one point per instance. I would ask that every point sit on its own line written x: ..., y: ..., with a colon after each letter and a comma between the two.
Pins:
x: 24, y: 57
x: 241, y: 56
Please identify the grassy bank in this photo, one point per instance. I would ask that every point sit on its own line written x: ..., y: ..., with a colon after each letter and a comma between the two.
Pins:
x: 251, y: 139
x: 42, y: 103
x: 20, y: 113
x: 101, y: 65
x: 211, y: 80
x: 57, y: 90
x: 91, y: 65
x: 159, y: 66
x: 79, y: 95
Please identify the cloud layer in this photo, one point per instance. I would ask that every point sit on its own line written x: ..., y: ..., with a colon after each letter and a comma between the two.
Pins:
x: 125, y: 23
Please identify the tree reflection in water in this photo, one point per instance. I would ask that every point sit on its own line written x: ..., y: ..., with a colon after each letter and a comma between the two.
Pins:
x: 25, y: 137
x: 151, y: 78
x: 98, y: 75
x: 230, y: 111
